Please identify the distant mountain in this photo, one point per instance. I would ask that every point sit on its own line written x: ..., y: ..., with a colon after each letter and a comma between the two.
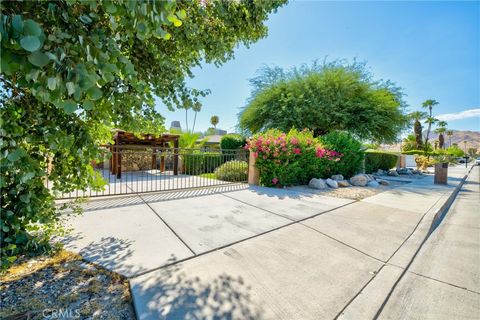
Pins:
x: 472, y: 138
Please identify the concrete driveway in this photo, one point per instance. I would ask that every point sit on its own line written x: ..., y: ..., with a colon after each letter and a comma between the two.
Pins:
x: 259, y: 253
x: 137, y: 234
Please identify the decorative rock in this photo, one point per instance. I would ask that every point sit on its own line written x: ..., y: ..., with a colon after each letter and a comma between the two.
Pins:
x: 409, y: 172
x: 332, y: 183
x: 393, y: 173
x: 380, y: 172
x: 343, y: 183
x: 383, y: 182
x: 337, y: 177
x: 370, y: 177
x: 359, y: 180
x: 317, y: 184
x: 373, y: 184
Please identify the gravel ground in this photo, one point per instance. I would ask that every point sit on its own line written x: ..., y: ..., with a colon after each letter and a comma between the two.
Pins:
x: 352, y: 192
x: 63, y: 284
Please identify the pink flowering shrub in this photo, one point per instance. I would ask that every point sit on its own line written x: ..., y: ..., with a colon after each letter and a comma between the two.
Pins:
x: 290, y: 158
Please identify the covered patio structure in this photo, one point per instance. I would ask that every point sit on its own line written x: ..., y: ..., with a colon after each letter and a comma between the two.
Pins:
x: 126, y: 140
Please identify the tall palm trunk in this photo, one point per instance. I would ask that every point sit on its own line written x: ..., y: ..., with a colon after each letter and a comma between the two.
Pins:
x: 186, y: 118
x: 194, y: 120
x: 441, y: 141
x: 429, y: 127
x: 417, y: 128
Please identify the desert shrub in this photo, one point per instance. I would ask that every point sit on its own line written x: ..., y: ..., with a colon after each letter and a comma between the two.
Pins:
x: 351, y: 150
x: 234, y: 171
x: 379, y: 160
x: 232, y: 141
x: 423, y: 162
x: 199, y: 162
x: 455, y: 151
x: 289, y: 158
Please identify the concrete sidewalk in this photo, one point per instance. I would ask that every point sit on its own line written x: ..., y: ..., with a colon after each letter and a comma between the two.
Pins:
x: 137, y: 234
x: 443, y: 282
x: 340, y: 262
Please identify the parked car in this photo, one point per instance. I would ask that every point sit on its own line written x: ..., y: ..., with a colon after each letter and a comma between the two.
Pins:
x: 477, y: 161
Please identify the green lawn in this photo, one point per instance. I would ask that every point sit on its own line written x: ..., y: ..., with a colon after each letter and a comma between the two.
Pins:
x: 208, y: 175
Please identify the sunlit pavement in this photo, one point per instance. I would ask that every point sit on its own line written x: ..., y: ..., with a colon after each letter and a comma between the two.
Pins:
x: 261, y: 253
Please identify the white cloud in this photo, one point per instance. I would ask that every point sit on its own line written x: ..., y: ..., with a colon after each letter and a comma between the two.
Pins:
x: 471, y: 113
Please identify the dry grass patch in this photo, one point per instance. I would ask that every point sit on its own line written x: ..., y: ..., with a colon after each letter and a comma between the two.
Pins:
x: 35, y: 288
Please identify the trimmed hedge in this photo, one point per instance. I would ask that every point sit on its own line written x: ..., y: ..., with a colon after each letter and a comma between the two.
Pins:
x: 232, y: 141
x: 201, y: 162
x: 233, y: 171
x: 379, y: 160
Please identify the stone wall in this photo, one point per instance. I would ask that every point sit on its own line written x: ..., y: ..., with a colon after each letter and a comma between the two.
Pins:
x: 135, y: 160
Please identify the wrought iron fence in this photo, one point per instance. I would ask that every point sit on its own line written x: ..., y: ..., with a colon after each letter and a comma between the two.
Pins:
x: 130, y: 169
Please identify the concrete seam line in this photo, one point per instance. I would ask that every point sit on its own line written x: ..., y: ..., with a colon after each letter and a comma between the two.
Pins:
x: 359, y: 292
x: 387, y: 298
x: 343, y: 243
x: 286, y: 217
x: 444, y: 282
x: 168, y: 226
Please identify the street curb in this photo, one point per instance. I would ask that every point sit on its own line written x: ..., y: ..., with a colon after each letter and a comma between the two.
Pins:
x: 442, y: 211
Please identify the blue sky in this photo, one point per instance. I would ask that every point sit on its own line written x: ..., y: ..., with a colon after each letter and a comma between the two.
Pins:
x: 431, y: 49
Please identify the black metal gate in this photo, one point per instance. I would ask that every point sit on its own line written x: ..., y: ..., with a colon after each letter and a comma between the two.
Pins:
x: 140, y: 169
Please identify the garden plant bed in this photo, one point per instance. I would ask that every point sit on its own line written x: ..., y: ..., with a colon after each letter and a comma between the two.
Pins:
x: 48, y: 286
x: 353, y: 192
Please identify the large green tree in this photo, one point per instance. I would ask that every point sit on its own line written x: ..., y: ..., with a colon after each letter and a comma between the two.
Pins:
x: 72, y: 69
x: 323, y: 98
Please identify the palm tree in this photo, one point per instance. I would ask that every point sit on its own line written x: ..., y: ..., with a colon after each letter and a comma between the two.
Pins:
x: 441, y: 139
x: 442, y: 128
x: 428, y: 104
x: 409, y: 143
x: 214, y: 121
x: 417, y: 116
x: 449, y: 134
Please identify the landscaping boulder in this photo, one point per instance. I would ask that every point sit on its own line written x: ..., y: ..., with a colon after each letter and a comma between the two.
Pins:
x: 337, y: 177
x: 332, y: 183
x: 373, y: 184
x: 343, y: 183
x: 380, y: 172
x: 317, y: 184
x: 359, y: 180
x: 393, y: 173
x: 383, y: 182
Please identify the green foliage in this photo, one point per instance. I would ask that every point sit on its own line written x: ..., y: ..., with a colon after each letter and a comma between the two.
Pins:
x: 72, y: 70
x: 455, y: 151
x: 414, y: 152
x: 232, y: 141
x: 379, y: 160
x: 214, y: 120
x: 289, y: 159
x: 233, y: 171
x: 409, y: 143
x: 349, y: 147
x: 324, y: 98
x: 198, y: 162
